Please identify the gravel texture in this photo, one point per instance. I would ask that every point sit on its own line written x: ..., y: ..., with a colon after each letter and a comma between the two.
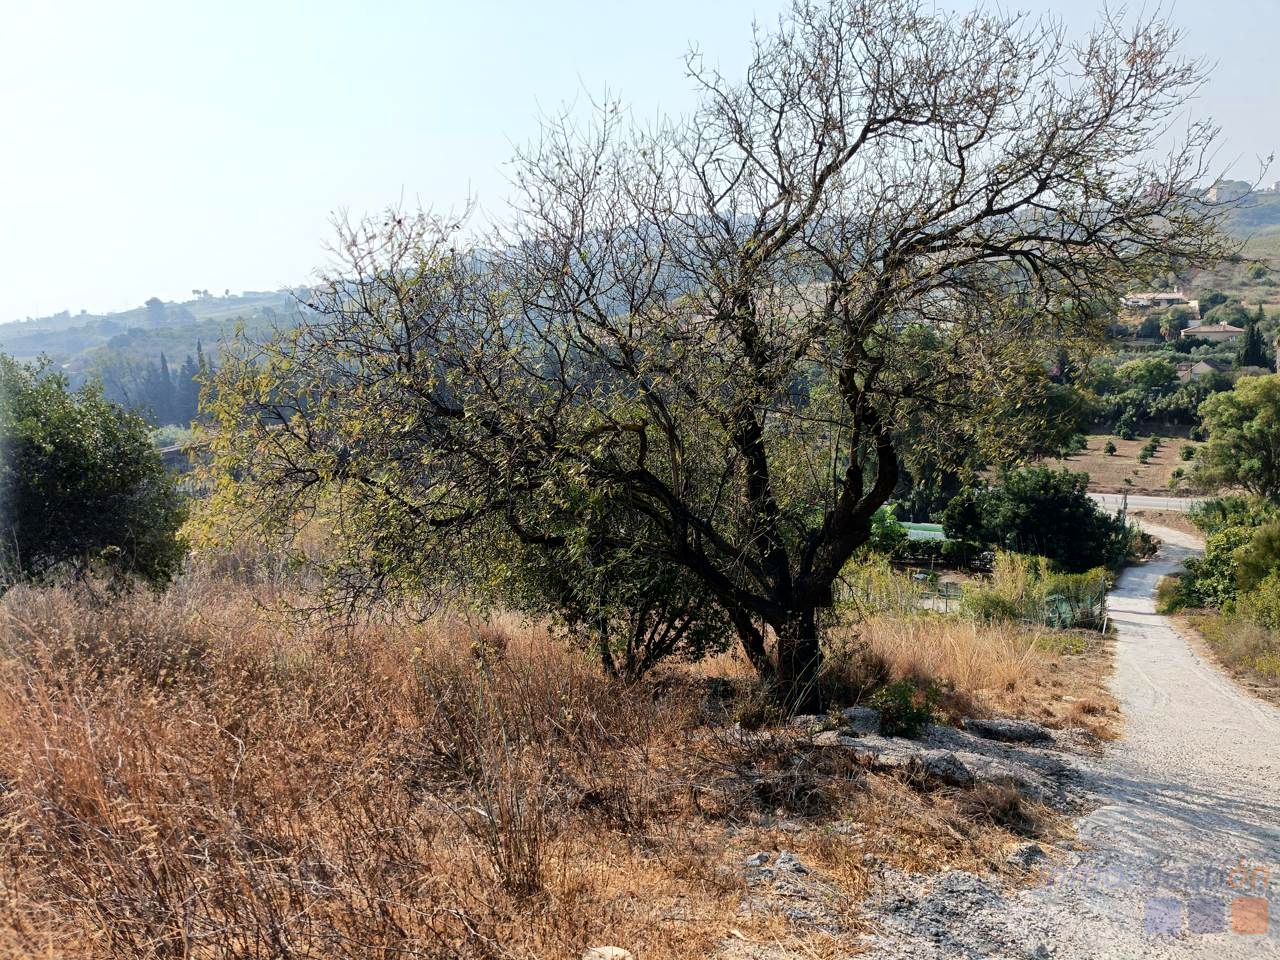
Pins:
x: 1184, y: 840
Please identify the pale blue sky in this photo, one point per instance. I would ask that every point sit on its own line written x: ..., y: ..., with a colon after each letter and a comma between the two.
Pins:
x: 154, y: 147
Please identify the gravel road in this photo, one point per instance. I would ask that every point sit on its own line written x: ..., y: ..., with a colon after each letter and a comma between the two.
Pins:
x: 1185, y: 843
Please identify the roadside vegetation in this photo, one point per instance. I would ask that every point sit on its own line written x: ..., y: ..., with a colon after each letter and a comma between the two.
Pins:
x: 1232, y: 593
x: 542, y: 576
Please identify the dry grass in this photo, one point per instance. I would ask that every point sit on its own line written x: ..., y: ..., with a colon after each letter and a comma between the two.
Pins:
x: 1107, y: 474
x: 1052, y: 676
x: 186, y: 777
x: 189, y: 775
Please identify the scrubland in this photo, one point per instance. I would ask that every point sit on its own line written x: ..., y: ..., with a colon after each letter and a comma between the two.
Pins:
x: 196, y: 773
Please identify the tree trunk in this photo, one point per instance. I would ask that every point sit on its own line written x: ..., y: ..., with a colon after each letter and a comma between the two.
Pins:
x: 753, y: 644
x: 799, y: 662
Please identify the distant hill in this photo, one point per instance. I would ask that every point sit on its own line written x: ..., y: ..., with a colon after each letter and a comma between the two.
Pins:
x: 149, y: 358
x: 1256, y: 214
x: 144, y: 331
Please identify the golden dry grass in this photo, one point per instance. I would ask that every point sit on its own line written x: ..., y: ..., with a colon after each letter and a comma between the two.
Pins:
x: 191, y: 775
x: 1052, y: 676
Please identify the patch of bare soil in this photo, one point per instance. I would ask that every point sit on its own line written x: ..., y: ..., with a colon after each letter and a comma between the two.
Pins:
x: 1168, y: 518
x: 1109, y: 473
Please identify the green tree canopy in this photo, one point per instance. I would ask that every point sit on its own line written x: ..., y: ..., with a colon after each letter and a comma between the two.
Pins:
x: 1148, y: 373
x: 1043, y: 512
x: 80, y: 485
x: 1252, y: 350
x: 1244, y: 438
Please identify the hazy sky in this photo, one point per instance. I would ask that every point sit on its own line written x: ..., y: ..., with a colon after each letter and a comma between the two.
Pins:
x: 152, y: 148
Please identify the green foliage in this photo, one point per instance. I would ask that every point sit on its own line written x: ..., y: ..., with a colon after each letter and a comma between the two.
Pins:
x: 1026, y: 588
x: 887, y: 535
x: 1150, y: 373
x: 1251, y: 348
x: 614, y: 592
x: 871, y: 585
x: 81, y: 487
x: 1232, y: 313
x: 1175, y: 321
x: 906, y: 708
x: 1187, y: 452
x: 1217, y: 513
x: 1110, y: 448
x: 988, y: 605
x: 1261, y: 605
x: 1211, y: 299
x: 1260, y: 557
x: 1244, y: 438
x: 1212, y: 579
x: 960, y: 554
x: 1045, y: 512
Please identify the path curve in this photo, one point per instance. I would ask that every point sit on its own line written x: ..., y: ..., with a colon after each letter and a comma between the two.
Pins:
x: 1191, y: 793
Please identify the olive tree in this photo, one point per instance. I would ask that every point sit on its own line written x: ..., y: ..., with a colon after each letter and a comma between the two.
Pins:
x: 722, y: 322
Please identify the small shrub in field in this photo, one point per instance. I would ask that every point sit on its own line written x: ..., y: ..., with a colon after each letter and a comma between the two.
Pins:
x: 1187, y: 452
x: 1110, y: 448
x: 906, y: 708
x: 989, y: 606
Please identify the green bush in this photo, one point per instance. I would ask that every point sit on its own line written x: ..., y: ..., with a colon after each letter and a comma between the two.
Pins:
x: 989, y: 606
x: 1042, y: 512
x: 1261, y: 605
x: 1110, y: 448
x: 1212, y: 580
x: 887, y: 534
x: 1258, y: 558
x: 959, y: 554
x: 82, y: 487
x: 1187, y: 452
x: 906, y: 708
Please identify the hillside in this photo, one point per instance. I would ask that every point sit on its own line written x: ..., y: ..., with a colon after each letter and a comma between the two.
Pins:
x: 144, y: 331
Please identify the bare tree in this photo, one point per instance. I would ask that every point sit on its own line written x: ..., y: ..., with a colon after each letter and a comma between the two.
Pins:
x: 722, y: 322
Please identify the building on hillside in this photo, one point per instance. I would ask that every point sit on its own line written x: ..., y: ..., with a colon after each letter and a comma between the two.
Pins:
x: 1214, y: 332
x: 1225, y: 191
x: 1194, y: 370
x: 1155, y: 300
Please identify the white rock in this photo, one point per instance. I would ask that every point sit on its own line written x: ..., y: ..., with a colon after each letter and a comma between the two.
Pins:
x: 606, y: 953
x: 861, y: 719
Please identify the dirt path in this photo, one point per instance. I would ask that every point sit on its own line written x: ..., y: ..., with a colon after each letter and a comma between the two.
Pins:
x: 1185, y: 843
x: 1192, y: 795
